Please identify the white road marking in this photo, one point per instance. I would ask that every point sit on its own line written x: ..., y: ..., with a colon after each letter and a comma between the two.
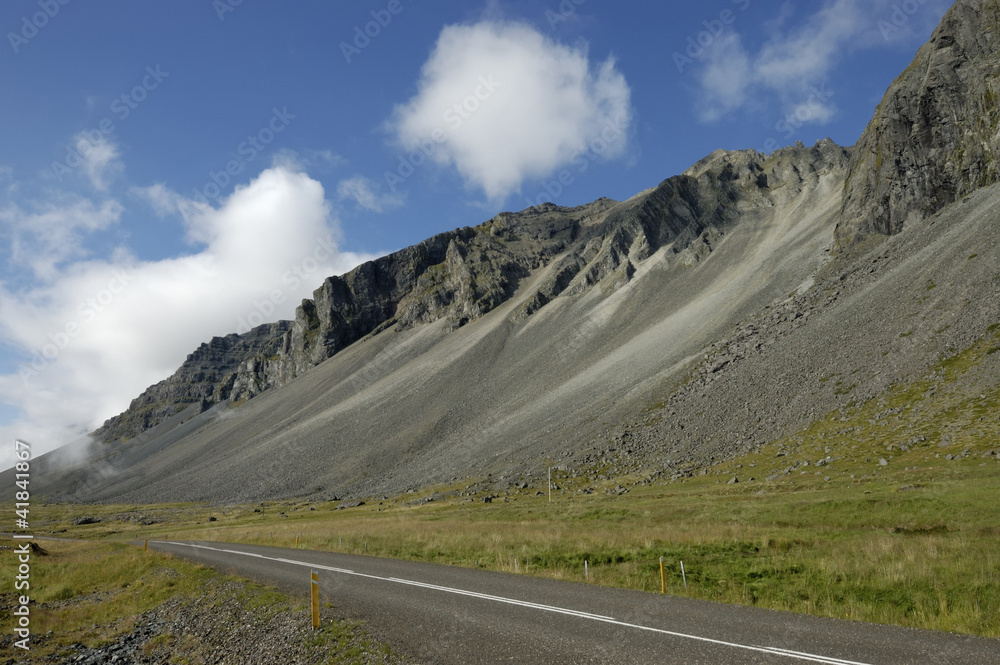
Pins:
x: 797, y: 655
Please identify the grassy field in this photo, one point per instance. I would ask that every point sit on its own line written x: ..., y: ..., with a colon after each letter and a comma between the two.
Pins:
x: 915, y: 548
x: 91, y: 593
x: 883, y: 512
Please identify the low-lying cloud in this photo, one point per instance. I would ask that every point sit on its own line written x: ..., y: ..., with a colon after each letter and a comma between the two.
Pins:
x: 91, y: 333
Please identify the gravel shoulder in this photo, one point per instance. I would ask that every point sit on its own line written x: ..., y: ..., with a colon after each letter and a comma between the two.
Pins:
x: 203, y: 617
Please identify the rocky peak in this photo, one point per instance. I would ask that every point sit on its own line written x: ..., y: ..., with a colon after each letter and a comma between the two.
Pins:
x: 935, y: 136
x: 205, y: 378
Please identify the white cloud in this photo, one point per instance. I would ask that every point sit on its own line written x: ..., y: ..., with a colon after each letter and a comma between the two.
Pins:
x: 45, y: 239
x: 361, y: 190
x: 98, y: 332
x: 795, y: 63
x: 809, y: 53
x: 100, y: 160
x: 163, y: 200
x: 725, y: 78
x: 326, y: 159
x: 503, y: 103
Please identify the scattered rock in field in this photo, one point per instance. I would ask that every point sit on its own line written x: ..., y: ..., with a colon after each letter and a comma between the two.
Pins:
x: 79, y: 521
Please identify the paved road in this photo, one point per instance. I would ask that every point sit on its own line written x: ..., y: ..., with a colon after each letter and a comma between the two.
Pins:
x: 441, y: 614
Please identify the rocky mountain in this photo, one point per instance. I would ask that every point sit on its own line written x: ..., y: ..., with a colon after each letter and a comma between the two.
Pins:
x: 729, y: 306
x: 936, y: 135
x: 488, y: 345
x: 207, y: 377
x: 461, y: 275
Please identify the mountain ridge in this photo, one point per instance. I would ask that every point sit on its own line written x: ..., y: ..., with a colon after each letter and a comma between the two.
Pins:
x: 698, y: 320
x: 462, y: 274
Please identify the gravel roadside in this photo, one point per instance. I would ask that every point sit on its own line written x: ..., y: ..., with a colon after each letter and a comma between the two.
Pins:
x: 224, y: 624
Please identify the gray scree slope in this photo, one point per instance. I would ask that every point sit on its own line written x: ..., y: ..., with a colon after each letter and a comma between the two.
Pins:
x: 690, y: 323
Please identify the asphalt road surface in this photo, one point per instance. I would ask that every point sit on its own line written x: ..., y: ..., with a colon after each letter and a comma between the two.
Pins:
x: 443, y: 614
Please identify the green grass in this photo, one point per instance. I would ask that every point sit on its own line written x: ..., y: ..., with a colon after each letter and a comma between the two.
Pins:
x: 91, y: 593
x: 910, y: 542
x: 925, y: 557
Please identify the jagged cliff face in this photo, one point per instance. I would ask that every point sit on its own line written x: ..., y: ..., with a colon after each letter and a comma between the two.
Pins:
x: 936, y: 135
x: 458, y: 276
x: 462, y: 275
x: 525, y: 338
x: 207, y: 377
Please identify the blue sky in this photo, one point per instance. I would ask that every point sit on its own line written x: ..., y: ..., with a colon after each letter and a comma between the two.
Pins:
x: 170, y: 171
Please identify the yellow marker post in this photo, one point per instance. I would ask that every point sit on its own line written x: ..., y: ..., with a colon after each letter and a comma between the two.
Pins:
x: 296, y: 541
x: 663, y: 577
x: 145, y: 546
x: 314, y: 579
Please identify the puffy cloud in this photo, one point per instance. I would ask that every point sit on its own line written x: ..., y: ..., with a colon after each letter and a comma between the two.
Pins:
x: 361, y: 190
x: 99, y: 331
x: 503, y: 103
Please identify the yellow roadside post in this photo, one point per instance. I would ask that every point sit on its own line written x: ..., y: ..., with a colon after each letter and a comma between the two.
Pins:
x: 663, y: 577
x: 314, y: 578
x: 145, y: 546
